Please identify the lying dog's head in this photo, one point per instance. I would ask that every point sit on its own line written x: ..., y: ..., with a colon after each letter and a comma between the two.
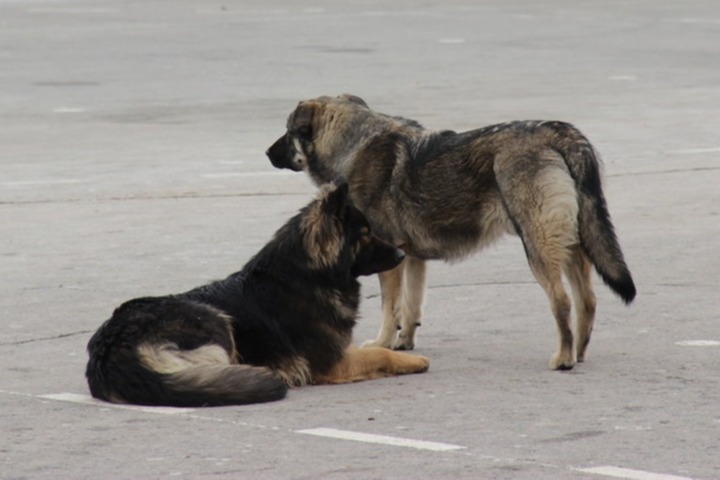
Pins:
x: 336, y: 236
x: 317, y: 127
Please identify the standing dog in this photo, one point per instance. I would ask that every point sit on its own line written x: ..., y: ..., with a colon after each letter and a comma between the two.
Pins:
x: 443, y: 195
x: 285, y: 320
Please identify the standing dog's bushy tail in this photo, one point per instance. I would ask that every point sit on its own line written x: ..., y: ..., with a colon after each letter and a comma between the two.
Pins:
x: 597, y: 234
x: 163, y: 374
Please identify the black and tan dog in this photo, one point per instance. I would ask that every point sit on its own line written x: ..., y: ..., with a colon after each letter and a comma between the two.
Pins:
x: 444, y: 195
x: 285, y: 320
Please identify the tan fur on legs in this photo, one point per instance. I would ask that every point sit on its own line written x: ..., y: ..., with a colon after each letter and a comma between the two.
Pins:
x: 391, y: 288
x: 548, y: 226
x: 368, y: 363
x: 564, y: 358
x: 413, y: 292
x: 551, y: 281
x: 578, y: 272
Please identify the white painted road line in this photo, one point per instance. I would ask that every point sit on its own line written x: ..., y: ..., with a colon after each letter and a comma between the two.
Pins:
x: 691, y: 151
x: 68, y: 110
x: 71, y: 11
x: 379, y: 439
x: 698, y: 343
x: 629, y: 474
x: 56, y: 181
x: 321, y: 432
x: 623, y: 78
x: 88, y: 400
x: 607, y: 471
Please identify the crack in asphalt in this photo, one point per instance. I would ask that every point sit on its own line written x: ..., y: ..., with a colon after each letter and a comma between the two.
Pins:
x: 186, y: 195
x: 664, y: 172
x: 44, y: 339
x: 130, y: 198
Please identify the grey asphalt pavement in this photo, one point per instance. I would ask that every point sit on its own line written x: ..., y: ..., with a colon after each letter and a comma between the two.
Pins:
x: 131, y: 163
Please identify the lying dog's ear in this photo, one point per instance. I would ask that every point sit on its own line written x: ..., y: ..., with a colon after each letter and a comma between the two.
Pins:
x: 300, y: 120
x: 336, y: 201
x: 353, y: 99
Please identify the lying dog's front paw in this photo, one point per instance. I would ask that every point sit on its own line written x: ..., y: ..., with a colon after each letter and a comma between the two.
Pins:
x: 405, y: 363
x: 423, y: 364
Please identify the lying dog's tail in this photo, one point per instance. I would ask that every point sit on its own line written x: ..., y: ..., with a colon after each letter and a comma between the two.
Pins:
x: 597, y: 234
x: 223, y: 385
x: 163, y: 374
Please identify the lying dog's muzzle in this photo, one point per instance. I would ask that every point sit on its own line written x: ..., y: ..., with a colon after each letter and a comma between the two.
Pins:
x: 377, y: 257
x: 399, y: 256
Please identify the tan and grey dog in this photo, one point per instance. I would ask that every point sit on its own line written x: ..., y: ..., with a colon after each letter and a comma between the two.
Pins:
x: 444, y: 195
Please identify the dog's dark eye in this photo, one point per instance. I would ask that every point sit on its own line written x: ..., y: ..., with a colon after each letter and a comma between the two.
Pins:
x: 304, y: 130
x: 364, y: 236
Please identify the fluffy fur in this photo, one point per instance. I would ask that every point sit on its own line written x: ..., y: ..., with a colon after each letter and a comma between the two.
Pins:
x: 444, y: 195
x: 284, y: 320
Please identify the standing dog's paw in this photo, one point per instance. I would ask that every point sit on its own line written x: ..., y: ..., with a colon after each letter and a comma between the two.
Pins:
x: 561, y: 362
x: 401, y: 343
x: 405, y: 339
x: 375, y: 343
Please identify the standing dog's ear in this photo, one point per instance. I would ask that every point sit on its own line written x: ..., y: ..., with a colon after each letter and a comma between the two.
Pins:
x: 300, y: 121
x: 336, y: 201
x: 353, y: 99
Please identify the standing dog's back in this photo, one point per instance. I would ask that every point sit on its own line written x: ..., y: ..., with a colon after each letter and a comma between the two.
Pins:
x: 444, y: 195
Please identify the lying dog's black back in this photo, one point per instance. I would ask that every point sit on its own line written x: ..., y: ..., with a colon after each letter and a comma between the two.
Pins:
x: 284, y: 319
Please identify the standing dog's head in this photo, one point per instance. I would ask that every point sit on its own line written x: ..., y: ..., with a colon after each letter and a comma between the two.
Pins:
x: 319, y: 129
x: 336, y: 236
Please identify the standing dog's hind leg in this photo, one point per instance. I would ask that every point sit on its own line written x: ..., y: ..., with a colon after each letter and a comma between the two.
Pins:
x: 547, y: 222
x: 564, y: 358
x: 578, y: 272
x: 551, y: 281
x: 391, y: 290
x: 413, y: 291
x: 547, y: 260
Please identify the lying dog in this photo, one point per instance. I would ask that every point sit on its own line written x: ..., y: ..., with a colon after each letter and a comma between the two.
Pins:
x: 285, y: 320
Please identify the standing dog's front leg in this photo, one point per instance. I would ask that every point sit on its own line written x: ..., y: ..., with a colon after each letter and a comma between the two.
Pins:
x: 413, y: 293
x: 367, y: 363
x: 391, y: 292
